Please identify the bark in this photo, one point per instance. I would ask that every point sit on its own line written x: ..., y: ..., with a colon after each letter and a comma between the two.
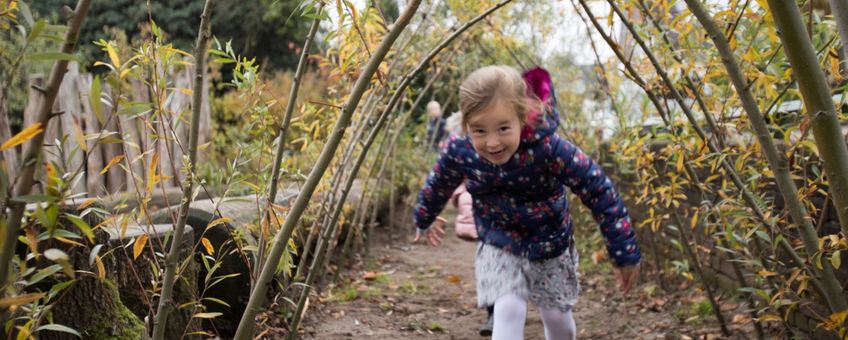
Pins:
x: 165, y: 302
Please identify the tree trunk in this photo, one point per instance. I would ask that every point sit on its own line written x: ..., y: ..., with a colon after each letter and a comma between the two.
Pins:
x: 817, y: 101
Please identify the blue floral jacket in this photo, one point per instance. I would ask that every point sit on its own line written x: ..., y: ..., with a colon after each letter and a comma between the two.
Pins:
x: 521, y: 206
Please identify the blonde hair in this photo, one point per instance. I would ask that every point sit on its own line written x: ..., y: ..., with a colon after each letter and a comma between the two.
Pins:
x: 480, y: 89
x: 434, y: 110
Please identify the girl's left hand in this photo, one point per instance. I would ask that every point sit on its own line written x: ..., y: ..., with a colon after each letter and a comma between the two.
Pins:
x: 626, y: 277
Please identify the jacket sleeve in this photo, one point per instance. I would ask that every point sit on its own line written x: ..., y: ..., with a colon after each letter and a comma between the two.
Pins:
x: 441, y: 182
x: 587, y: 180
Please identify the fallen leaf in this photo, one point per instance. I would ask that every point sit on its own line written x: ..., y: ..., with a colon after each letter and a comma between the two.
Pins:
x: 455, y: 279
x: 729, y: 306
x: 369, y: 276
x: 598, y: 256
x: 741, y: 319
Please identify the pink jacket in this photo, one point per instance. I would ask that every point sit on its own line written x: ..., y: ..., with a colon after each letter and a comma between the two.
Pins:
x: 465, y: 227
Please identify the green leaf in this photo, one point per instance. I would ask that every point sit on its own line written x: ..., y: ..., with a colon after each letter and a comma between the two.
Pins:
x: 94, y: 98
x: 135, y: 108
x: 207, y: 315
x: 58, y: 288
x: 58, y: 328
x: 36, y: 30
x: 25, y: 12
x: 82, y: 225
x: 51, y: 56
x: 41, y: 274
x: 836, y: 259
x: 763, y: 235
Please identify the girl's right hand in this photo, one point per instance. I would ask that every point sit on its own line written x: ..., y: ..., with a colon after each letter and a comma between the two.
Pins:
x: 434, y: 233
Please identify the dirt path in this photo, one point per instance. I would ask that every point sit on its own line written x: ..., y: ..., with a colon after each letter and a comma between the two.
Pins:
x: 406, y: 291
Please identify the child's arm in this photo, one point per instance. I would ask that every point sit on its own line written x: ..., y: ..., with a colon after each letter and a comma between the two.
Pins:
x: 588, y: 181
x: 441, y: 182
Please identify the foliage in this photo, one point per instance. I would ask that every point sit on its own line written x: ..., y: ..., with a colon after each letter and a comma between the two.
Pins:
x: 599, y: 108
x: 270, y: 35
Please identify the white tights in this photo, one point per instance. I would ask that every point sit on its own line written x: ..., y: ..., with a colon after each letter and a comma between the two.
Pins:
x: 511, y: 312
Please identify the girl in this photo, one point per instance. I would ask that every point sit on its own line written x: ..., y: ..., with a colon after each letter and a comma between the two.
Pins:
x: 516, y: 168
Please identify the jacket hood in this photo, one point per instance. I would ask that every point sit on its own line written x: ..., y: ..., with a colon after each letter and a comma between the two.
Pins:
x: 539, y: 125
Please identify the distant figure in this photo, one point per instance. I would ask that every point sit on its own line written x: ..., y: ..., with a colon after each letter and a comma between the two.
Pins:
x: 516, y: 169
x: 435, y: 125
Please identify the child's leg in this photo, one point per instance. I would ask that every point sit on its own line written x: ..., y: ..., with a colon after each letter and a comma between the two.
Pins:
x: 558, y: 324
x: 510, y: 312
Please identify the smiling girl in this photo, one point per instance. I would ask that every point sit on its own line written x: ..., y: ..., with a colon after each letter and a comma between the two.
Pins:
x: 516, y: 168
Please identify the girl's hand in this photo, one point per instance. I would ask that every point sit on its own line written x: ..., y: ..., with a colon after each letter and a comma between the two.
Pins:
x: 626, y: 277
x: 434, y: 233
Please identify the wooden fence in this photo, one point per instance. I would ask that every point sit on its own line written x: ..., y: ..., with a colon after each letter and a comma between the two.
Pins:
x: 134, y: 129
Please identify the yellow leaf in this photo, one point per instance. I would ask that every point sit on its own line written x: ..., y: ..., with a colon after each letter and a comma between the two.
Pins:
x: 125, y: 221
x: 152, y: 178
x: 836, y: 319
x: 766, y: 273
x: 20, y: 299
x: 206, y: 315
x: 113, y: 56
x: 80, y: 137
x: 218, y: 221
x: 694, y: 221
x: 32, y: 240
x: 23, y: 136
x: 24, y: 332
x: 112, y: 162
x: 769, y: 317
x: 208, y: 245
x: 69, y: 241
x: 138, y: 247
x: 101, y: 270
x: 87, y: 203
